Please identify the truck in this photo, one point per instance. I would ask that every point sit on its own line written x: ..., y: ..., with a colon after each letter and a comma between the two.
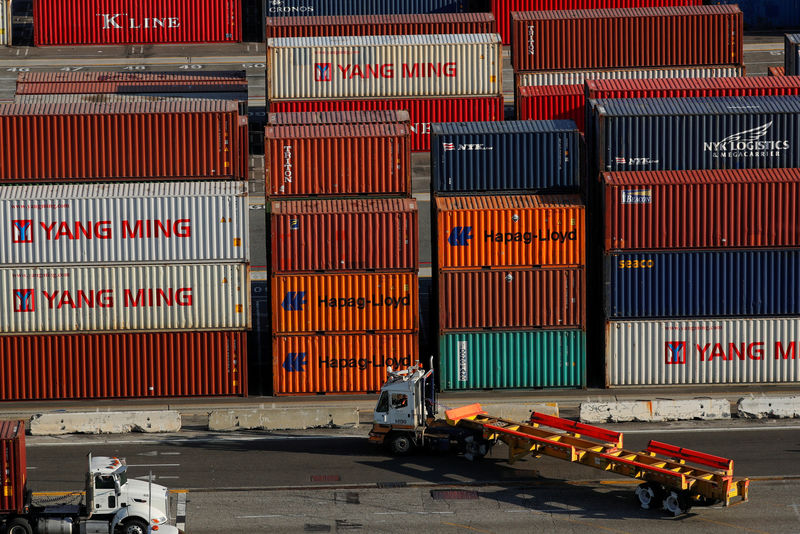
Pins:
x: 673, y: 478
x: 112, y: 503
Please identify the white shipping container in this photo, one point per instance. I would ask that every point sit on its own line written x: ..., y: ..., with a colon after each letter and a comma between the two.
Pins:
x: 384, y: 66
x: 5, y: 22
x: 717, y: 351
x: 125, y: 298
x: 124, y: 223
x: 577, y: 77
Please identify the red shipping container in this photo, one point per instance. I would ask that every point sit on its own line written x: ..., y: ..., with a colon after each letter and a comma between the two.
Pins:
x: 81, y: 82
x: 549, y: 102
x: 776, y: 71
x: 501, y: 9
x: 416, y: 24
x: 97, y: 366
x: 338, y: 159
x: 106, y: 22
x: 175, y: 140
x: 659, y: 210
x: 338, y: 117
x: 423, y: 111
x: 344, y: 235
x: 512, y: 300
x: 693, y: 87
x: 646, y: 37
x: 304, y: 365
x: 13, y: 467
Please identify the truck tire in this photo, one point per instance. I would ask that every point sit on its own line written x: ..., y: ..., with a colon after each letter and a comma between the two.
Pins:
x: 18, y: 525
x: 401, y: 444
x: 134, y: 525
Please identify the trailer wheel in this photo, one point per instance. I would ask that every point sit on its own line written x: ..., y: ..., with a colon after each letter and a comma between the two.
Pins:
x: 18, y: 525
x: 401, y: 444
x: 676, y: 503
x: 475, y: 448
x: 134, y: 525
x: 650, y: 495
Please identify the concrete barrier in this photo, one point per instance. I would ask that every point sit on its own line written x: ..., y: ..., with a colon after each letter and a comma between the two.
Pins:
x: 281, y: 418
x: 654, y: 411
x: 519, y: 411
x: 762, y: 407
x: 56, y: 424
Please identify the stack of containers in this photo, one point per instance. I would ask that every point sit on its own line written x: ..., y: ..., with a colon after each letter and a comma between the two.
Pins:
x: 449, y: 76
x: 344, y: 271
x: 554, y: 52
x: 510, y: 264
x: 791, y: 56
x: 702, y: 276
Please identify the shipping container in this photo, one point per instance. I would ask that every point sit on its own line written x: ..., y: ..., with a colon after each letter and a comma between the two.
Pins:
x: 551, y: 102
x: 422, y: 111
x: 5, y: 24
x: 118, y: 22
x: 651, y: 285
x: 577, y: 77
x: 512, y: 300
x: 696, y: 133
x: 344, y: 235
x: 501, y: 9
x: 124, y: 298
x: 512, y: 360
x: 338, y: 117
x: 293, y: 8
x: 764, y: 15
x: 384, y: 66
x: 414, y: 24
x: 510, y: 231
x: 636, y: 37
x: 124, y: 223
x: 791, y: 58
x: 123, y: 365
x: 471, y: 157
x: 344, y: 363
x: 338, y: 159
x: 745, y: 208
x: 776, y: 71
x: 753, y: 350
x: 188, y: 139
x: 351, y: 303
x: 13, y: 467
x: 693, y: 87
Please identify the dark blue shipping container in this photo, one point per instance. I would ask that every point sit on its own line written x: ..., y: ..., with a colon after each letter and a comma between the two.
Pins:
x: 653, y: 134
x: 791, y: 59
x: 300, y: 8
x: 702, y: 284
x: 766, y: 14
x: 468, y: 157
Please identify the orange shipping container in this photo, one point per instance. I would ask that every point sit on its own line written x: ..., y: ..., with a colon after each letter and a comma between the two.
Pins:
x: 510, y: 231
x: 370, y: 302
x: 338, y: 363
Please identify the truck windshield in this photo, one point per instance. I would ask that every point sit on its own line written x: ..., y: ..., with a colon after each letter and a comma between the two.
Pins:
x: 123, y: 478
x: 383, y: 403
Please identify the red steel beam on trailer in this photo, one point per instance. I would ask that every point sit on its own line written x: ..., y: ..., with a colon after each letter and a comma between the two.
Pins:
x: 595, y: 432
x: 689, y: 455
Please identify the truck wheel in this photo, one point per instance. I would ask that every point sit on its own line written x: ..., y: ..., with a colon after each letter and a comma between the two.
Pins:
x: 134, y: 525
x: 18, y: 525
x: 650, y: 495
x: 401, y: 444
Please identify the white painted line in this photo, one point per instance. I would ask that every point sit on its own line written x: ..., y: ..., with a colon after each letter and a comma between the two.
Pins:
x: 719, y: 429
x: 257, y: 516
x: 167, y: 441
x: 154, y: 465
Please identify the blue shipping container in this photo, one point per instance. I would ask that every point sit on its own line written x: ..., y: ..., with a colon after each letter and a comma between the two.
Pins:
x: 308, y: 8
x: 673, y: 134
x: 791, y: 58
x: 540, y: 156
x: 766, y: 14
x: 702, y: 284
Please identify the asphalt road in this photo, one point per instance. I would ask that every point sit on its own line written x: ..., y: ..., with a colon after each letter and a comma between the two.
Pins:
x: 331, y: 481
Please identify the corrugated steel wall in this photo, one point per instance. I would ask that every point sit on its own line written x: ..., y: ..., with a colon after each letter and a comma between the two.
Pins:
x: 294, y: 118
x: 423, y: 111
x: 13, y: 466
x: 122, y: 223
x: 339, y: 363
x: 702, y: 284
x: 537, y: 359
x: 124, y: 365
x: 548, y: 102
x: 686, y: 352
x: 397, y: 66
x: 791, y: 56
x: 292, y: 8
x: 135, y: 297
x: 578, y: 77
x: 344, y: 235
x: 186, y: 84
x: 692, y: 87
x: 776, y: 71
x: 766, y: 14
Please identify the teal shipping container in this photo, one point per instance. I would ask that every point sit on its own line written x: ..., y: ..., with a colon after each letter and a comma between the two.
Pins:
x: 512, y: 360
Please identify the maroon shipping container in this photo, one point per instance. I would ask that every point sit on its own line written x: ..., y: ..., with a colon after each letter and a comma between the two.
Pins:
x: 344, y: 235
x: 501, y: 9
x: 338, y: 117
x: 549, y: 102
x: 416, y: 24
x: 776, y: 71
x: 338, y: 159
x: 170, y: 140
x: 13, y: 467
x: 105, y: 22
x: 89, y: 366
x: 423, y: 111
x: 694, y: 87
x: 81, y: 82
x: 645, y: 37
x: 512, y: 300
x: 653, y: 210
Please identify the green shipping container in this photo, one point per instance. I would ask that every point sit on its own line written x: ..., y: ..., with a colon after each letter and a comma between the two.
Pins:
x: 512, y: 360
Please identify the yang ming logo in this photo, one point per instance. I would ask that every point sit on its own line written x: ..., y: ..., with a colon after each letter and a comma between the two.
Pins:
x: 748, y: 143
x: 322, y: 72
x: 675, y: 352
x: 24, y: 301
x: 21, y: 231
x: 294, y: 301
